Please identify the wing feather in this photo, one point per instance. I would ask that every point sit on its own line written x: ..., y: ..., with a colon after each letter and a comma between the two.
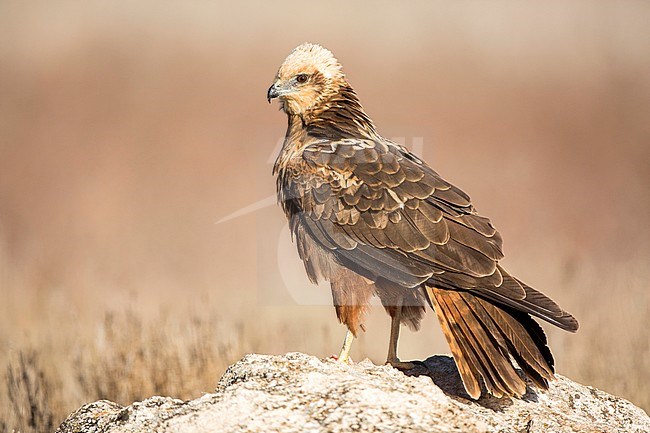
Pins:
x: 384, y: 213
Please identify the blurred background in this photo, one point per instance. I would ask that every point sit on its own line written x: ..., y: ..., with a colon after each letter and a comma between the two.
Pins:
x: 141, y: 253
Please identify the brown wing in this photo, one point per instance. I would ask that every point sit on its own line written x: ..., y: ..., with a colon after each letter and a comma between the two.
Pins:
x: 384, y: 213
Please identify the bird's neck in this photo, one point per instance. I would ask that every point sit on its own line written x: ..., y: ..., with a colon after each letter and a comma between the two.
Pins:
x: 341, y: 116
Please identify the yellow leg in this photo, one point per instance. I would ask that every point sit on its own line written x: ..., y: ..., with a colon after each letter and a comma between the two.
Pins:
x: 344, y: 356
x: 392, y: 358
x: 394, y: 336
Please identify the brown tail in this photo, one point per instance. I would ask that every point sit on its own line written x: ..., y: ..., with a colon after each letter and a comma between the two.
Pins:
x: 483, y: 337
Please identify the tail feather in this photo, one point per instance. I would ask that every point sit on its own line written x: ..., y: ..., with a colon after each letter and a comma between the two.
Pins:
x: 529, y: 350
x: 501, y: 376
x: 483, y: 336
x: 537, y: 334
x: 468, y: 373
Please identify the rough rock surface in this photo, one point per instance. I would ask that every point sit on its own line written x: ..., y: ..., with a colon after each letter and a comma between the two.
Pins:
x: 300, y: 393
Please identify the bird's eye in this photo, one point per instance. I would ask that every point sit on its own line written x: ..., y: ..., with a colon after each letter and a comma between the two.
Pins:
x: 301, y: 78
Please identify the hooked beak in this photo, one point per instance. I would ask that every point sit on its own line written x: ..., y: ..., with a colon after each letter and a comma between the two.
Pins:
x: 272, y: 93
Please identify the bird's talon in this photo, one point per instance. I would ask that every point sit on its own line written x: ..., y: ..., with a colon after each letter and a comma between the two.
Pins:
x: 402, y: 365
x: 347, y: 361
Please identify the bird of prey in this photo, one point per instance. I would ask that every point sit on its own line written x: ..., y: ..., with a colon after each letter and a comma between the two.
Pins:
x: 372, y: 218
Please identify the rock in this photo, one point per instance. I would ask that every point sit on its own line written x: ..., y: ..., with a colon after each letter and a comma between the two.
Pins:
x: 300, y: 393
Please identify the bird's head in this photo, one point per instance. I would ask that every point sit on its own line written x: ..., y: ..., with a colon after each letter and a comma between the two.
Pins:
x: 309, y: 76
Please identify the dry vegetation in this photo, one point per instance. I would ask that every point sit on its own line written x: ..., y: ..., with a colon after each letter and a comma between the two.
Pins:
x: 126, y: 360
x: 127, y: 129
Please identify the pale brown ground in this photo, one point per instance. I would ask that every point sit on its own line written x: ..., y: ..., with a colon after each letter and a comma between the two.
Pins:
x: 127, y: 130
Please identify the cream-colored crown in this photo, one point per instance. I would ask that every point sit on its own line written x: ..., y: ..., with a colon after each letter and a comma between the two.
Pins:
x: 306, y: 57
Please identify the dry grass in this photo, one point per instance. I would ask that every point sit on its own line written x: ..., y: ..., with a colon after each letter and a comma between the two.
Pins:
x: 132, y: 361
x: 128, y: 128
x: 125, y: 360
x: 31, y: 398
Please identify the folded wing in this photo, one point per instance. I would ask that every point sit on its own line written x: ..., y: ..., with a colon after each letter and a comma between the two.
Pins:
x: 384, y: 213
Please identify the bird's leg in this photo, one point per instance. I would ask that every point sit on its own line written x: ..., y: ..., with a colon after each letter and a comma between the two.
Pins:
x: 344, y: 356
x: 394, y: 336
x: 392, y: 358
